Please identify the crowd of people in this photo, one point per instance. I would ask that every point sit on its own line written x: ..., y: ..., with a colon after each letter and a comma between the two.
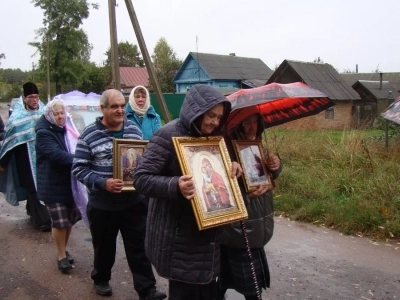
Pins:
x: 41, y: 148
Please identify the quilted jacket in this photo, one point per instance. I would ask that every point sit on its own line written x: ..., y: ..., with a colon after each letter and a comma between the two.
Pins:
x: 174, y: 245
x: 53, y: 164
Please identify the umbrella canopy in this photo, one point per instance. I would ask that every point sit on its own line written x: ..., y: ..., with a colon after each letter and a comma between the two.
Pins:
x: 276, y: 103
x: 77, y: 98
x: 392, y: 113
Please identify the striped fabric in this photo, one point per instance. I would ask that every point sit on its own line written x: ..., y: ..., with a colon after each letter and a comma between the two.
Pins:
x: 93, y: 161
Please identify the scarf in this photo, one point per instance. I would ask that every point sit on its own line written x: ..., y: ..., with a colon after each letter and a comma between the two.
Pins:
x: 48, y: 111
x: 139, y: 111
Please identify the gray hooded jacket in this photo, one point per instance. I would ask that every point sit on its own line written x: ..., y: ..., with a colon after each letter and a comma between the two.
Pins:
x: 174, y: 245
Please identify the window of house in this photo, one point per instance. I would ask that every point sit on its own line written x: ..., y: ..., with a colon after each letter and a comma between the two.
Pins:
x: 329, y: 113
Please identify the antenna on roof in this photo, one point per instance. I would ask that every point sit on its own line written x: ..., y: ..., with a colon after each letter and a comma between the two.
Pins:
x: 198, y: 63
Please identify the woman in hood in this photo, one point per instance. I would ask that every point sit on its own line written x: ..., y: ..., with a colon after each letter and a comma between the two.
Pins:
x: 187, y: 257
x: 142, y: 113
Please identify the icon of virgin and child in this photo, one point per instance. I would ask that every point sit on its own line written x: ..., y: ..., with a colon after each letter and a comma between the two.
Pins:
x: 215, y: 192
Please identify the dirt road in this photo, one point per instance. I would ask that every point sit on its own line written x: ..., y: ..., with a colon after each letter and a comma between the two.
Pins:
x: 306, y: 262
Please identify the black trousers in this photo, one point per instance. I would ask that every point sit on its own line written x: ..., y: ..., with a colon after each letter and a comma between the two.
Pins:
x: 183, y: 291
x: 104, y: 227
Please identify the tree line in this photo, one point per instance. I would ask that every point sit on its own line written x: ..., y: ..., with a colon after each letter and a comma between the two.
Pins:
x: 65, y: 46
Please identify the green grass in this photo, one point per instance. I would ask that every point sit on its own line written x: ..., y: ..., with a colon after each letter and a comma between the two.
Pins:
x: 346, y: 180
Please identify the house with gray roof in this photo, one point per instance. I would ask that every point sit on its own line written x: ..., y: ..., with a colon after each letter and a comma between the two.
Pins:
x: 392, y: 78
x: 325, y: 78
x: 376, y: 97
x: 227, y: 73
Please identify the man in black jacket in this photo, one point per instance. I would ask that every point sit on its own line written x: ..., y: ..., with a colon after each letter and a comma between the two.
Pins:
x: 189, y: 258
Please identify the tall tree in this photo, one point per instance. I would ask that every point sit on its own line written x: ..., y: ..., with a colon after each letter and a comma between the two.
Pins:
x: 128, y: 55
x: 2, y: 56
x: 14, y: 75
x: 62, y: 43
x: 166, y: 65
x: 95, y: 78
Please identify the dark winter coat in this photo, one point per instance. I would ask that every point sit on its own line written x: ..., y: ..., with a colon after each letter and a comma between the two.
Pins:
x: 53, y: 163
x: 259, y: 224
x: 174, y: 244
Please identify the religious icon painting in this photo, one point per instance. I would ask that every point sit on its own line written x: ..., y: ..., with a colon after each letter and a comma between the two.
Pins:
x: 218, y: 199
x: 127, y: 155
x: 252, y: 159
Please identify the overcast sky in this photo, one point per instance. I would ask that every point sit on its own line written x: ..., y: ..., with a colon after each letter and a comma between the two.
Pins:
x: 341, y: 32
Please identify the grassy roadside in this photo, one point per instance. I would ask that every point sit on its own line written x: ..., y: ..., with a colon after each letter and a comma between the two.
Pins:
x: 345, y: 180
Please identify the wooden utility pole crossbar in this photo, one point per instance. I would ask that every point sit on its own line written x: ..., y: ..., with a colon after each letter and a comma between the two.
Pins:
x: 149, y: 65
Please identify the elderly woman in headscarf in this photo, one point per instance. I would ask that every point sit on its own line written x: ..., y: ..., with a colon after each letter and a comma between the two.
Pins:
x: 141, y: 112
x: 54, y: 162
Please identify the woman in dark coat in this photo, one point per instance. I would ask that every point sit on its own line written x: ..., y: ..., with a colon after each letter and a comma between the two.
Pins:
x: 54, y: 162
x: 189, y: 258
x: 235, y: 266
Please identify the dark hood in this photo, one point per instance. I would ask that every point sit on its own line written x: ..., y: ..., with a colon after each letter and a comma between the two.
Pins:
x: 199, y: 99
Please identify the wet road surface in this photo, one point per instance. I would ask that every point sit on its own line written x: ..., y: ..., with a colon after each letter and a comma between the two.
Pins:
x: 306, y: 262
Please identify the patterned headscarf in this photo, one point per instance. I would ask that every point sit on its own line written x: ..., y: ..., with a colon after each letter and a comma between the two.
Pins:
x: 48, y: 113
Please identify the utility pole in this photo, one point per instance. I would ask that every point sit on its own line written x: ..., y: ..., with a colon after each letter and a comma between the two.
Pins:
x: 48, y: 69
x: 114, y: 45
x: 390, y: 100
x: 149, y: 65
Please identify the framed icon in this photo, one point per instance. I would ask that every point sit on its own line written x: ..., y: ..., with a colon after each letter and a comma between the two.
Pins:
x: 252, y: 159
x: 218, y: 199
x: 127, y: 155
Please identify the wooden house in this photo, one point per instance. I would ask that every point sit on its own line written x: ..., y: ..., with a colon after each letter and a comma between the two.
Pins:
x: 227, y: 73
x: 326, y: 79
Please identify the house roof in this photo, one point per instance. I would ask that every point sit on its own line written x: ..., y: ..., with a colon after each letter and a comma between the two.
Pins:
x: 232, y: 67
x: 393, y: 78
x: 374, y: 88
x: 132, y: 76
x: 320, y: 76
x: 254, y: 82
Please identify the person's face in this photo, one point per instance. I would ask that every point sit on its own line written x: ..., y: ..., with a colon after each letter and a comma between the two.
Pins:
x: 140, y: 99
x: 250, y: 126
x: 59, y: 114
x: 114, y: 112
x: 209, y: 169
x: 32, y: 101
x: 211, y: 119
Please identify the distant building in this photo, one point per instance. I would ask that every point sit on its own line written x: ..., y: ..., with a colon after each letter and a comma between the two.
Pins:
x: 326, y: 79
x: 227, y: 73
x: 131, y: 77
x: 392, y: 78
x: 376, y: 97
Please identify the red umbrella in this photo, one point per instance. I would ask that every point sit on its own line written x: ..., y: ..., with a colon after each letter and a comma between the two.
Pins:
x: 277, y: 103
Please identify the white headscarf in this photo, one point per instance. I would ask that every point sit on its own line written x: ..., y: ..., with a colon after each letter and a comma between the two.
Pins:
x: 139, y: 111
x: 49, y: 114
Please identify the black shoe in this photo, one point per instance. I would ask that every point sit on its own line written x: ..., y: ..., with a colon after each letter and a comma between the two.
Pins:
x: 70, y: 258
x: 103, y: 289
x: 45, y: 227
x: 64, y: 265
x: 154, y: 295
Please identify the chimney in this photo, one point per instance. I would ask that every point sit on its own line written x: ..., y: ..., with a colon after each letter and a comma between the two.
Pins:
x: 232, y: 54
x: 356, y: 68
x: 380, y: 80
